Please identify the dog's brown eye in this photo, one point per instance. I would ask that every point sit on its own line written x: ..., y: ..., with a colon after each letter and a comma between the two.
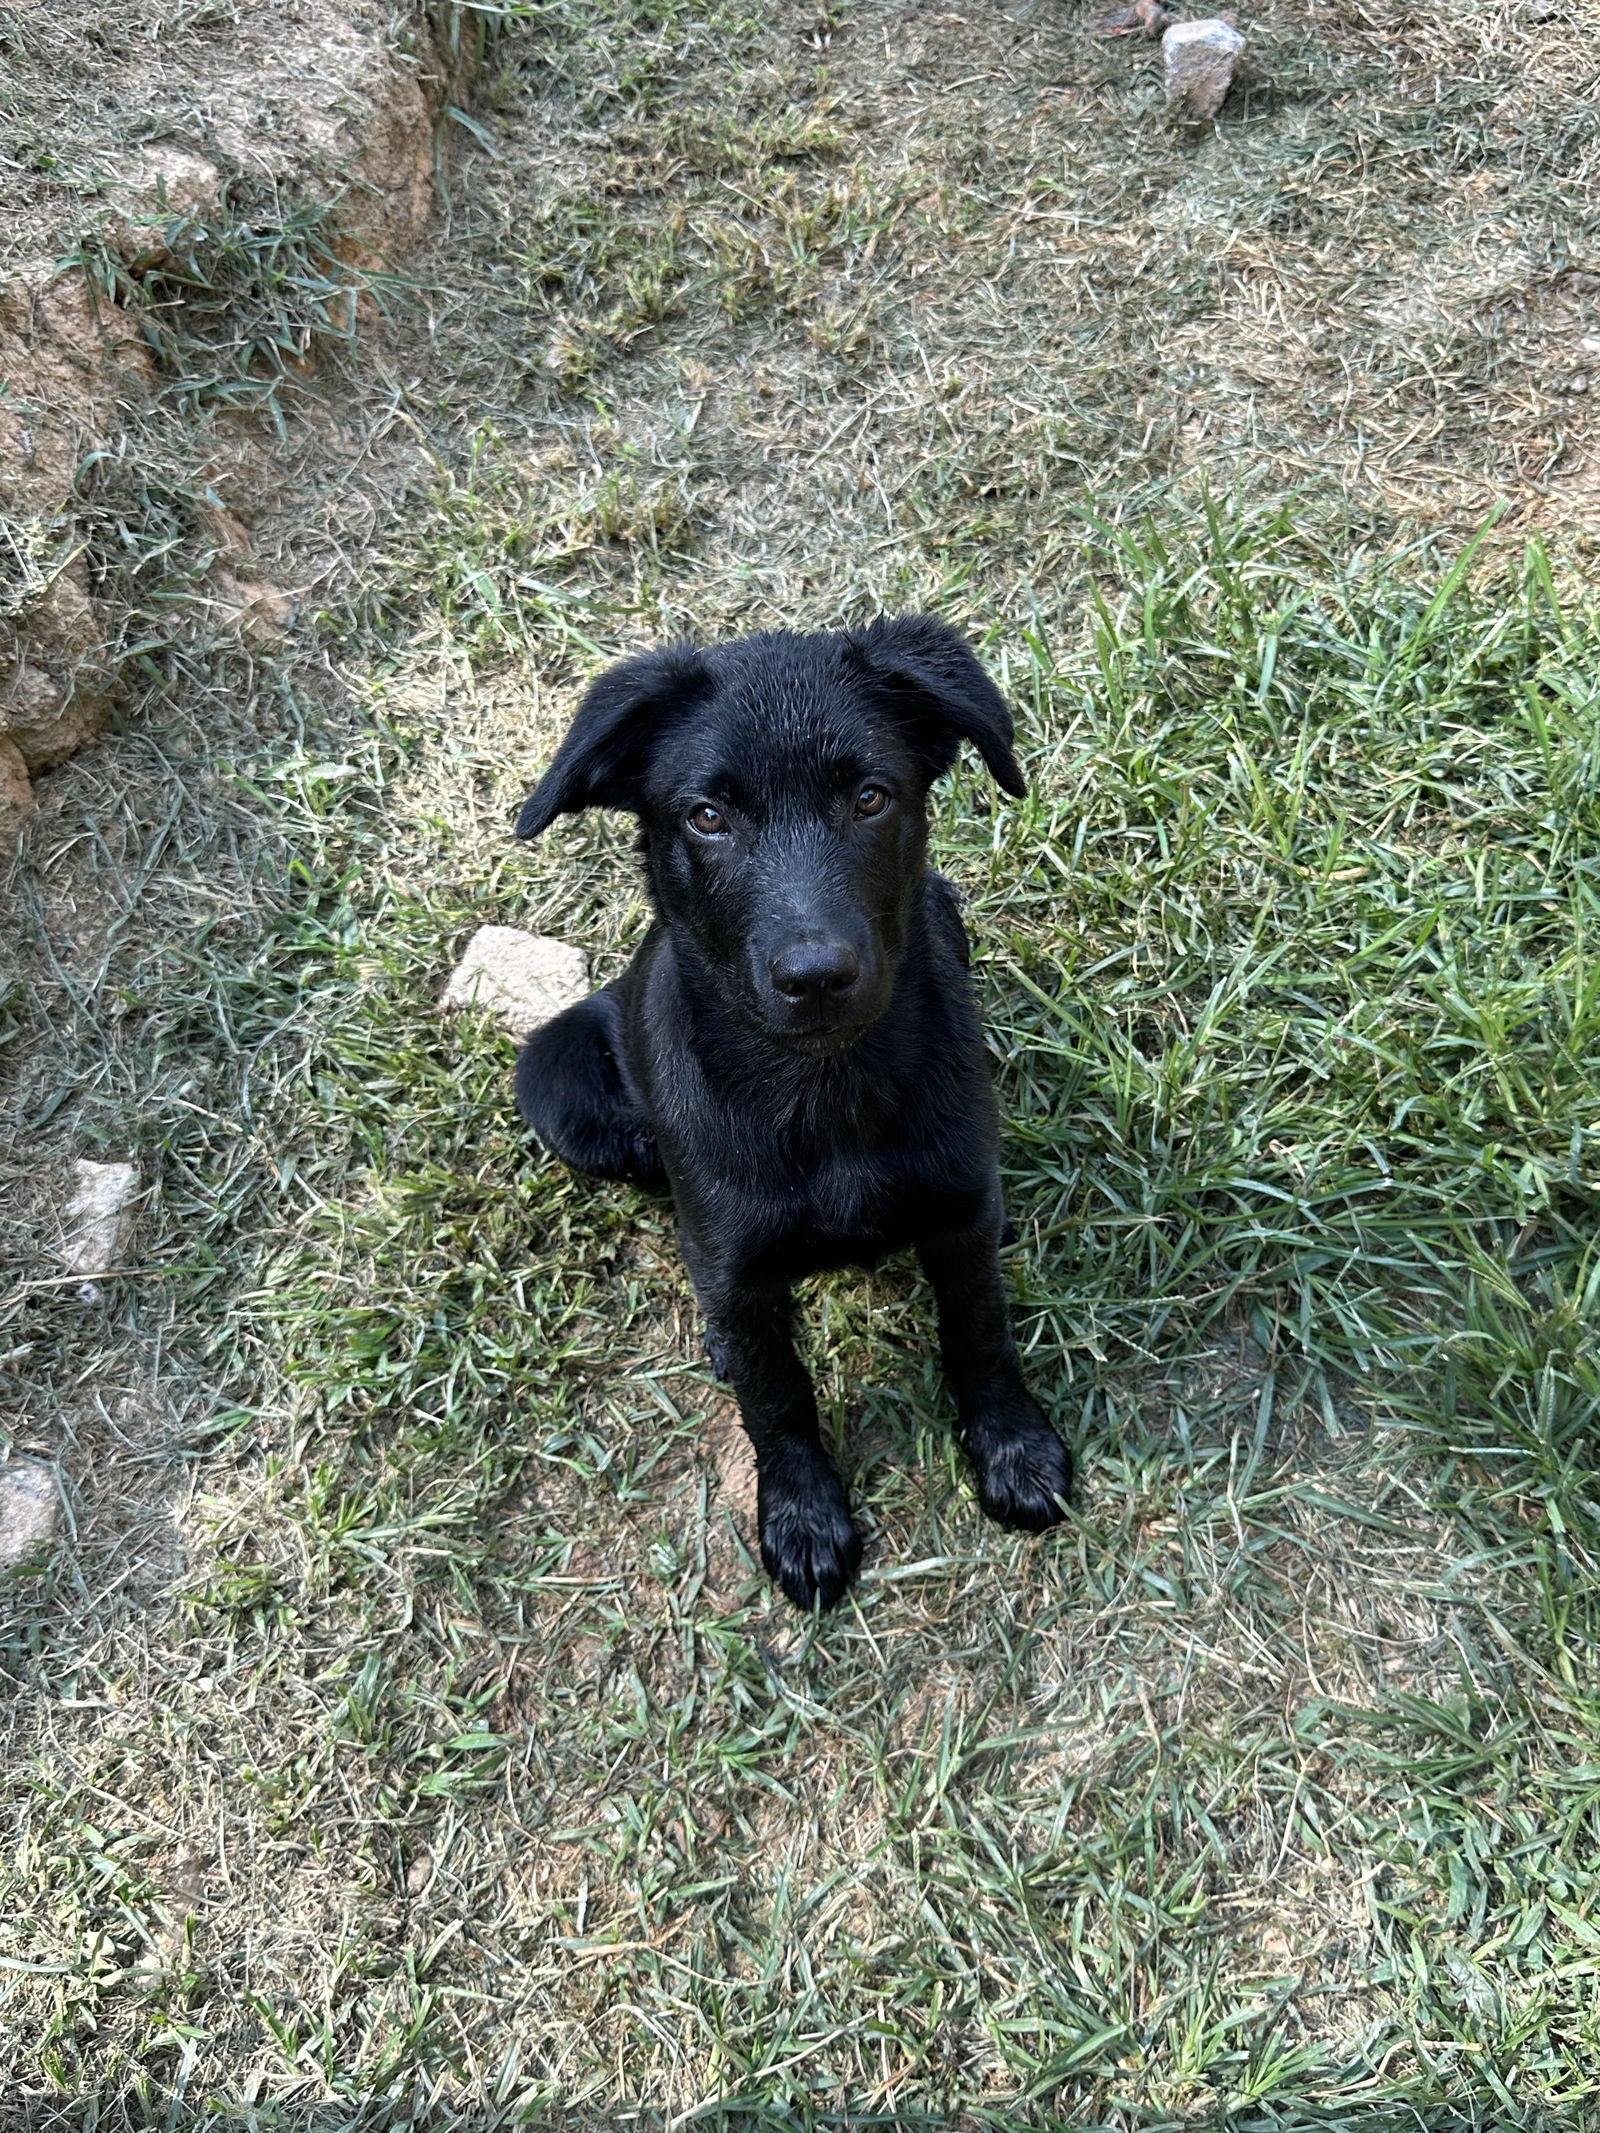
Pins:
x: 707, y: 821
x: 871, y: 800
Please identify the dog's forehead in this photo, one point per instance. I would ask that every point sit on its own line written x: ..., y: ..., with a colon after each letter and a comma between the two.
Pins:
x: 785, y: 711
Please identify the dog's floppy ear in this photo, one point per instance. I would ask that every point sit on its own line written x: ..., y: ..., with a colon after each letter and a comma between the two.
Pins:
x: 601, y: 763
x: 943, y: 696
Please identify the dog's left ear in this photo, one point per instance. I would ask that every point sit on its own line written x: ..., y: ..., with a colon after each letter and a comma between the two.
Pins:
x: 601, y: 762
x: 941, y: 694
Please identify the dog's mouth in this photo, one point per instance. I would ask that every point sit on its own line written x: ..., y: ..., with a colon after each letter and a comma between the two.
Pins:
x: 824, y: 1043
x: 811, y: 1034
x: 822, y: 1037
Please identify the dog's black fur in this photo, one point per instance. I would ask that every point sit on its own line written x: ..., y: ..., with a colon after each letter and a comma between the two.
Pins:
x: 794, y: 1051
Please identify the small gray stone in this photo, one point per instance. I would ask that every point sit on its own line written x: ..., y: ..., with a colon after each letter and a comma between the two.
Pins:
x: 98, y: 1216
x: 1200, y: 58
x: 27, y: 1512
x: 524, y: 979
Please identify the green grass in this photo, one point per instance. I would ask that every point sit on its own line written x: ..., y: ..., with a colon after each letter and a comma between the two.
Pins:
x: 236, y: 302
x: 1265, y: 1793
x: 402, y: 1733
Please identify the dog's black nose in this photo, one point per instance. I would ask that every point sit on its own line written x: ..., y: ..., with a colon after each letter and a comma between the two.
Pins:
x: 811, y: 970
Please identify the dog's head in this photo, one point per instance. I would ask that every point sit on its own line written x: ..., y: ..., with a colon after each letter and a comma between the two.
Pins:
x: 781, y: 782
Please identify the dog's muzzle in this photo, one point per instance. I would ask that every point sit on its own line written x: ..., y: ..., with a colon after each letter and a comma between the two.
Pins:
x: 819, y: 995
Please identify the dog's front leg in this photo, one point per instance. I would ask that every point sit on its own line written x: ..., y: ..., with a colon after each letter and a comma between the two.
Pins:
x: 808, y: 1544
x: 1022, y: 1467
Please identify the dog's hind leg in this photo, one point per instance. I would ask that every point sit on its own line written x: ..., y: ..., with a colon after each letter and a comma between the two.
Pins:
x: 571, y: 1091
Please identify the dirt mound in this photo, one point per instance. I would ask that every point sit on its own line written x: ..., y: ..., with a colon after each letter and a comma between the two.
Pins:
x: 285, y: 120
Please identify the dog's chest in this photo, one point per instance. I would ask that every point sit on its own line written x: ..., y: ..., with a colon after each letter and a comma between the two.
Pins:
x: 816, y: 1167
x: 845, y: 1193
x: 846, y: 1200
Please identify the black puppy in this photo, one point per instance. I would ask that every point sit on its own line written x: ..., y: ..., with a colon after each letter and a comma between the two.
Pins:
x: 794, y: 1051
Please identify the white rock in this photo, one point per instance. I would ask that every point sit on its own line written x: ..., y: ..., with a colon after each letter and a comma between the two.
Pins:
x: 1200, y: 58
x: 524, y: 979
x: 27, y: 1512
x: 98, y: 1217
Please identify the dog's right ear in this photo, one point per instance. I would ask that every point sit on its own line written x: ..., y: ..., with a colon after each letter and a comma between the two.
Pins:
x: 602, y: 761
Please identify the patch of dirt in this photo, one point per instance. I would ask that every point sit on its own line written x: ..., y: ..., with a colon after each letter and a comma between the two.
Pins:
x: 732, y: 1538
x: 146, y: 135
x: 120, y: 111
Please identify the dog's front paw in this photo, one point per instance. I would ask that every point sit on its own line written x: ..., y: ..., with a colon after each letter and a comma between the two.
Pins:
x: 808, y: 1544
x: 1024, y: 1471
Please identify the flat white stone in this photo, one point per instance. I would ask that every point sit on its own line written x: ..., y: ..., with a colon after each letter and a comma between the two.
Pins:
x: 524, y: 979
x: 1200, y: 58
x: 27, y: 1512
x: 95, y: 1225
